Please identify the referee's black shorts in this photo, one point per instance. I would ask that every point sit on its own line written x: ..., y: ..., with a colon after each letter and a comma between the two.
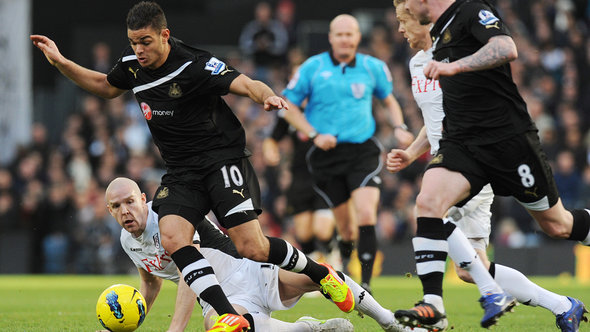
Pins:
x: 301, y: 195
x: 516, y: 166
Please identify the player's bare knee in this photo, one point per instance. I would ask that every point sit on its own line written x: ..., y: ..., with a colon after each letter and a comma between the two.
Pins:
x: 347, y: 233
x: 427, y: 205
x: 366, y: 216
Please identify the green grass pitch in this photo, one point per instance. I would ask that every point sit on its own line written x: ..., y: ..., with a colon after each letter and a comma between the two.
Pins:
x: 67, y: 303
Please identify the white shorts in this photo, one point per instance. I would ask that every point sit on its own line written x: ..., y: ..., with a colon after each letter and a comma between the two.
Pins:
x: 473, y: 218
x: 254, y: 286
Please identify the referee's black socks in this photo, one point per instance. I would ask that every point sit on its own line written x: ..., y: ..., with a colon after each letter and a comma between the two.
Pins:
x: 367, y: 249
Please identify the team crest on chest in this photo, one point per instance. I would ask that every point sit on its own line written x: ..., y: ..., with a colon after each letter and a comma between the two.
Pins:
x: 358, y: 90
x: 175, y: 90
x: 446, y: 36
x: 156, y: 241
x: 163, y: 193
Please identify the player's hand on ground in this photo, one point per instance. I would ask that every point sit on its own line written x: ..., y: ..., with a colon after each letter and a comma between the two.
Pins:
x: 49, y: 48
x: 270, y: 152
x: 404, y: 138
x: 397, y: 160
x: 275, y: 103
x: 434, y: 69
x: 325, y: 141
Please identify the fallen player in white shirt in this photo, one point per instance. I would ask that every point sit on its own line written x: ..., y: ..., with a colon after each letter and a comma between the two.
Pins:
x: 254, y: 288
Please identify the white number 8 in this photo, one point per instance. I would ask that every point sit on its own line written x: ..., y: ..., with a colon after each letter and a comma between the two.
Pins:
x: 527, y: 179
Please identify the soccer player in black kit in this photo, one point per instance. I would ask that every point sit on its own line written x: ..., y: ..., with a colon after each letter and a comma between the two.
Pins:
x: 488, y: 137
x: 202, y: 143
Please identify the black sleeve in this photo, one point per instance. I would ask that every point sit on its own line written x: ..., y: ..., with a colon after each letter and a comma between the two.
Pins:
x: 280, y: 130
x: 212, y: 75
x: 484, y: 22
x: 117, y: 77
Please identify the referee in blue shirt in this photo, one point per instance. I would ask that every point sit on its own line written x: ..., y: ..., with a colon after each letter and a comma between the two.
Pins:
x: 345, y: 160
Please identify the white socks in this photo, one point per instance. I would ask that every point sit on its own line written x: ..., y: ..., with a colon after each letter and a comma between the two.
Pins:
x: 366, y: 304
x: 529, y: 293
x: 463, y: 254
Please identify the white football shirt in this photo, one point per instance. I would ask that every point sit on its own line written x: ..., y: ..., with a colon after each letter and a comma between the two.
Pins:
x: 261, y: 294
x: 428, y: 96
x: 147, y: 252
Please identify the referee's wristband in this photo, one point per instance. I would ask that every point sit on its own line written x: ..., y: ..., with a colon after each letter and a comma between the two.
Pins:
x: 402, y: 126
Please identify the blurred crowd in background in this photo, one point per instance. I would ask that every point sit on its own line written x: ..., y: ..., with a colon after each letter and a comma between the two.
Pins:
x: 54, y: 189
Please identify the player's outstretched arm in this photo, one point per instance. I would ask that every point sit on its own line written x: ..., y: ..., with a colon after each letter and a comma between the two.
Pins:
x: 90, y: 80
x: 185, y: 303
x: 149, y: 288
x: 257, y: 91
x: 397, y: 159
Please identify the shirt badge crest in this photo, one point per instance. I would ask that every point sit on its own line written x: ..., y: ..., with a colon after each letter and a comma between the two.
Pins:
x: 446, y: 36
x: 156, y: 241
x: 175, y: 90
x: 163, y: 193
x: 358, y: 90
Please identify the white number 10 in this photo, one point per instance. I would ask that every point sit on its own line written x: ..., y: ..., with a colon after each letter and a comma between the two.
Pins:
x: 234, y: 173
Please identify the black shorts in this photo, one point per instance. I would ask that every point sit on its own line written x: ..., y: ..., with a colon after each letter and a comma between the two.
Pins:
x: 301, y: 196
x: 516, y: 166
x: 231, y: 191
x: 339, y: 171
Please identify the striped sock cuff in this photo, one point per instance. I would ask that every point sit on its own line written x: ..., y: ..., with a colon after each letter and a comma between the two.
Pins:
x: 295, y: 260
x: 199, y: 276
x: 430, y: 255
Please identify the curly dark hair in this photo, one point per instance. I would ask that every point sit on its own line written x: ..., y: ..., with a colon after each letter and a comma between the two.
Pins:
x: 146, y: 14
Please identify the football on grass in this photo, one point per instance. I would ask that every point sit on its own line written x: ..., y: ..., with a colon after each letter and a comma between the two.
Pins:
x: 120, y: 308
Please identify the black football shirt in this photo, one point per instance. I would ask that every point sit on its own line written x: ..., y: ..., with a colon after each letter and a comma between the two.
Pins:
x: 181, y: 101
x: 481, y: 107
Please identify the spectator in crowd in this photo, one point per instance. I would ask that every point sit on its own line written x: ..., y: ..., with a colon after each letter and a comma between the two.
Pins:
x: 567, y: 178
x: 265, y: 40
